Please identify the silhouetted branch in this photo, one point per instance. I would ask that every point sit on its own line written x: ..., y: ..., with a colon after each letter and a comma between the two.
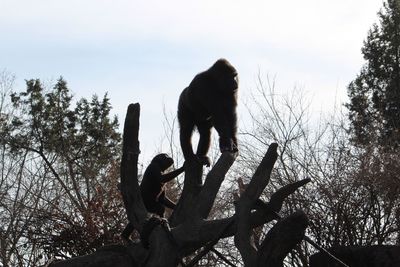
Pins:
x: 213, y: 183
x: 191, y: 188
x: 134, y: 206
x: 246, y: 202
x: 284, y: 235
x: 281, y: 239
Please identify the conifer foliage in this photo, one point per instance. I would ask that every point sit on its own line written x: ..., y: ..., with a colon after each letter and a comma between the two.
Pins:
x: 77, y: 145
x: 375, y: 93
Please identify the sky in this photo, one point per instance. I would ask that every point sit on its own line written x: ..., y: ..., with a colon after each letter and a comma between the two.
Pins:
x: 149, y: 51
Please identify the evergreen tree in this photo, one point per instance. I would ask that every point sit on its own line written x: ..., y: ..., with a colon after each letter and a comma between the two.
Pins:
x: 375, y: 93
x: 374, y: 112
x: 78, y: 146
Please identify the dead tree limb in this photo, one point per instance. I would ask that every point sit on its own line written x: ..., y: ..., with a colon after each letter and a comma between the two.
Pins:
x: 279, y: 241
x: 133, y: 202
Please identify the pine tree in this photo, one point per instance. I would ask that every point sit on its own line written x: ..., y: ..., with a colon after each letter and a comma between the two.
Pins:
x: 78, y: 145
x: 374, y: 108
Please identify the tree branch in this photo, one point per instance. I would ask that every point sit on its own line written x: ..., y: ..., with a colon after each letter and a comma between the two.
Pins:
x: 246, y: 202
x: 191, y: 188
x: 213, y: 183
x: 281, y: 239
x: 133, y: 202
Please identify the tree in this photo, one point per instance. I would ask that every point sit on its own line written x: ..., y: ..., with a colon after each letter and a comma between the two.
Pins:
x: 21, y: 185
x: 374, y: 112
x: 187, y: 230
x: 349, y: 203
x: 76, y: 151
x: 375, y: 93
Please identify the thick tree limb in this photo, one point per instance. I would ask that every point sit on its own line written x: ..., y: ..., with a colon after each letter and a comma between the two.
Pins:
x: 188, y: 233
x: 213, y: 183
x: 197, y: 200
x: 281, y: 239
x: 261, y: 177
x: 191, y: 188
x: 246, y: 202
x: 133, y: 202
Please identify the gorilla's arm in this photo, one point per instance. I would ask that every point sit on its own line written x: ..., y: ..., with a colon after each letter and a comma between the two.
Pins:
x: 225, y: 123
x: 171, y: 175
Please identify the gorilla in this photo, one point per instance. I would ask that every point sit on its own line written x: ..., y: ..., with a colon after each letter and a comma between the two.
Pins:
x: 152, y: 188
x: 209, y: 101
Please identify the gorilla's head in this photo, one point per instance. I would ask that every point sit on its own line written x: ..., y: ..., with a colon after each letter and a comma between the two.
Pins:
x: 163, y: 160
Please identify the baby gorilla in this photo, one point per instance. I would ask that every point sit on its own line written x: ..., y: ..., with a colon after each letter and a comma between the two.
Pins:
x: 152, y: 188
x: 209, y: 101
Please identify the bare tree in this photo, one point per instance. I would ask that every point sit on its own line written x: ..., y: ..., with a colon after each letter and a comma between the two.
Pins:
x: 188, y: 229
x: 22, y: 184
x: 353, y: 200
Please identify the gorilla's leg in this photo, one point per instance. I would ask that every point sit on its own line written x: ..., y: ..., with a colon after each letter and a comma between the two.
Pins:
x: 225, y: 123
x: 204, y: 129
x: 186, y: 131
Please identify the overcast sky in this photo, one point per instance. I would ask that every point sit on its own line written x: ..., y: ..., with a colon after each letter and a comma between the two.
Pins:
x: 148, y: 51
